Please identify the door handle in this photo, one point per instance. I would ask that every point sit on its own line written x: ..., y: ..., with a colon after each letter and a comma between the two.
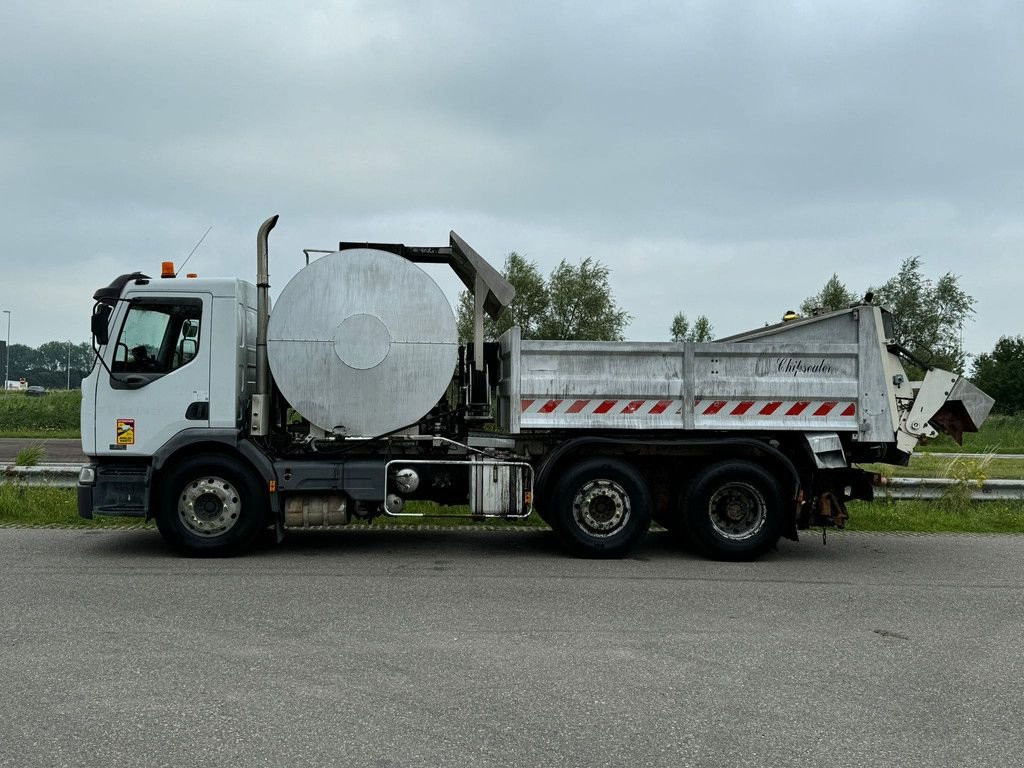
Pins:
x: 199, y: 411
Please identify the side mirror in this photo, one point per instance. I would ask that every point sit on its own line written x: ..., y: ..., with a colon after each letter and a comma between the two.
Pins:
x: 101, y: 324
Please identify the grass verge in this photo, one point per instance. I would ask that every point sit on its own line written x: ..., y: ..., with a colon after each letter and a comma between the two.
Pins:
x: 56, y: 507
x: 938, y: 516
x: 56, y: 414
x: 48, y: 507
x: 999, y: 434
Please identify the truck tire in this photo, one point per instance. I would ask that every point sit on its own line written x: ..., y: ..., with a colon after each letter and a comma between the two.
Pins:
x: 733, y: 511
x: 601, y: 507
x: 211, y: 506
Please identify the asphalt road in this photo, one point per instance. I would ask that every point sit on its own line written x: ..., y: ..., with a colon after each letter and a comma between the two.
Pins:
x: 58, y: 451
x: 471, y: 648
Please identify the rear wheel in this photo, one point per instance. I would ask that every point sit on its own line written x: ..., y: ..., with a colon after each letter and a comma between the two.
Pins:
x: 211, y: 505
x: 733, y: 511
x: 600, y: 508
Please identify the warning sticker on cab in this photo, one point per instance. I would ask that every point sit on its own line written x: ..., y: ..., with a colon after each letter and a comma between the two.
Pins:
x: 126, y: 431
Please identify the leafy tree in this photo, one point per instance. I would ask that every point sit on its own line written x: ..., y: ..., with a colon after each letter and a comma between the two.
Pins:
x: 833, y: 296
x: 527, y: 309
x: 575, y: 302
x: 1001, y: 374
x: 680, y: 329
x: 581, y: 305
x: 47, y: 365
x: 702, y: 329
x: 928, y: 314
x: 23, y: 360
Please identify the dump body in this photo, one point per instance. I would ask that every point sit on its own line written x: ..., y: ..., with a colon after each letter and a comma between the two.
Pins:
x: 832, y: 379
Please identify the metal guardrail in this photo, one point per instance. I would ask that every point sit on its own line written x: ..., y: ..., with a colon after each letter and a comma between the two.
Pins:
x: 42, y: 475
x: 938, y: 487
x: 66, y: 476
x: 1014, y: 456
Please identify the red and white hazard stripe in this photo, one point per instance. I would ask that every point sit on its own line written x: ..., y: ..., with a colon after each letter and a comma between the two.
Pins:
x: 779, y: 409
x: 776, y: 408
x: 600, y: 407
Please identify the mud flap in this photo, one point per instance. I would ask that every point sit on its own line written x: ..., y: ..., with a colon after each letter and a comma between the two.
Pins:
x: 826, y: 506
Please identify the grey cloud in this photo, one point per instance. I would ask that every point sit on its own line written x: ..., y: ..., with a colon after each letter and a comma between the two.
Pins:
x: 712, y: 145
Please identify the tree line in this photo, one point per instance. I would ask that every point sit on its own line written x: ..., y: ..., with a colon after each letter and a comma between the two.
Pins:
x: 573, y: 303
x: 576, y: 302
x: 48, y: 364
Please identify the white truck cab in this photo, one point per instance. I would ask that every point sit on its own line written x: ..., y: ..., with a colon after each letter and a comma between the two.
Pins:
x: 180, y: 356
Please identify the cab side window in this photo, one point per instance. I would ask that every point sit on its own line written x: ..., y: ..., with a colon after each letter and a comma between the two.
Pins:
x: 158, y: 336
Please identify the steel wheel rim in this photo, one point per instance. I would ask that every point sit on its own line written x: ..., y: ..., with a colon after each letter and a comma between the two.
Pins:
x: 601, y: 508
x: 209, y: 506
x: 737, y: 511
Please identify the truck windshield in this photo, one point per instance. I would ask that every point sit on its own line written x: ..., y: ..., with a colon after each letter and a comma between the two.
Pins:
x: 158, y: 336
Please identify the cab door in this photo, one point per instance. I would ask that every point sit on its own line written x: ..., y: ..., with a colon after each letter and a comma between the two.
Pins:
x: 157, y: 376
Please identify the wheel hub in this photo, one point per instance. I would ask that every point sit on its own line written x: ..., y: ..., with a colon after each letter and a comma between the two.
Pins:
x: 601, y: 507
x: 737, y: 511
x: 209, y: 506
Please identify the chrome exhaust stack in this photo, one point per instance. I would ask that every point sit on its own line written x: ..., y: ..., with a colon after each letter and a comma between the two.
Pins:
x: 259, y: 416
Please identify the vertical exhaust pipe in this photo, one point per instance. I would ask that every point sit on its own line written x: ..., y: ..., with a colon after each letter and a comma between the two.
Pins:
x: 259, y: 422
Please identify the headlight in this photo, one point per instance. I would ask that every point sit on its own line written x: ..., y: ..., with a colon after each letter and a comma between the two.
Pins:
x: 87, y: 476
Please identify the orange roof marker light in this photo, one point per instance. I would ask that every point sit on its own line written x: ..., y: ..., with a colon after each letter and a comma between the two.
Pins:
x: 192, y: 275
x: 167, y: 269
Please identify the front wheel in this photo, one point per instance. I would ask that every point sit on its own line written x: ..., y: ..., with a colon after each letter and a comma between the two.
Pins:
x: 211, y: 505
x: 733, y: 511
x: 600, y: 508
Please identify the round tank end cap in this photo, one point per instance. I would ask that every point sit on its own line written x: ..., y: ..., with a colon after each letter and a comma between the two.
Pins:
x: 362, y: 341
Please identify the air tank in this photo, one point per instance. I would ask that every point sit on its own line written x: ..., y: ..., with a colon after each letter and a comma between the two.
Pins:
x: 362, y: 342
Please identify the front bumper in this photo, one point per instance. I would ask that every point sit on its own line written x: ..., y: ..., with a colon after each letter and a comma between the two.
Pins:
x: 114, y: 489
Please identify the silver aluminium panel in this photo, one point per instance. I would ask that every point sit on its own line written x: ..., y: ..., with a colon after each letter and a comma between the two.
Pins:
x: 771, y: 383
x: 362, y: 342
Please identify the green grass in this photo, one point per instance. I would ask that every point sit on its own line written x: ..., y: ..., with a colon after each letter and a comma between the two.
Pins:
x: 56, y: 414
x: 47, y: 507
x: 56, y: 507
x: 30, y: 456
x: 52, y: 507
x: 939, y: 516
x: 999, y: 434
x: 435, y: 514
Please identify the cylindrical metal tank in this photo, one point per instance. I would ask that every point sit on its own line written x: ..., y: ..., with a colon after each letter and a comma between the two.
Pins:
x: 362, y: 342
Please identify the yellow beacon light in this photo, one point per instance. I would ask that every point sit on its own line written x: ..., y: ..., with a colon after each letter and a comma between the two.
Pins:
x: 167, y: 269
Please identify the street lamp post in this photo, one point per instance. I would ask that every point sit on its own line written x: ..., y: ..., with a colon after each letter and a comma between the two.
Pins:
x: 7, y: 365
x: 69, y: 365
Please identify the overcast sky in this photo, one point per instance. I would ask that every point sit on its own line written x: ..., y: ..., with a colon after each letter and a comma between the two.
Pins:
x: 721, y: 158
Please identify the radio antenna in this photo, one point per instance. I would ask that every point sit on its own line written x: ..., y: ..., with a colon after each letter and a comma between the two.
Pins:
x: 193, y: 251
